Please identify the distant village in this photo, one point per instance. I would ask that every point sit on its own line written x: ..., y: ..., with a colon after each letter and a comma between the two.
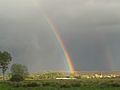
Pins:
x: 63, y: 75
x: 77, y: 75
x: 98, y: 74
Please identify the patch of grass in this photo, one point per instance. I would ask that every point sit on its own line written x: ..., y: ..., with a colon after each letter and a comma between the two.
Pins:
x: 83, y: 84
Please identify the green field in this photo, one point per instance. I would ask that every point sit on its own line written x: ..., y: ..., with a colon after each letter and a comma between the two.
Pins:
x: 84, y: 84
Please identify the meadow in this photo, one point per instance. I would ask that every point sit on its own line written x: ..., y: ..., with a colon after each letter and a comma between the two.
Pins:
x: 81, y: 84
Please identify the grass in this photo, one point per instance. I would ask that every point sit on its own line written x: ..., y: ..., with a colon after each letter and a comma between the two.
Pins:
x: 5, y: 87
x: 83, y: 84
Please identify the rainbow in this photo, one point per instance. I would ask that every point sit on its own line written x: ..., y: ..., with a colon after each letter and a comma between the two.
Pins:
x: 66, y: 54
x: 69, y: 63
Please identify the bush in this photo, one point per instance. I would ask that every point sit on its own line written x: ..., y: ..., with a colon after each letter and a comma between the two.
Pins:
x: 16, y: 78
x: 76, y: 84
x: 19, y: 70
x: 33, y: 84
x: 65, y: 85
x: 110, y: 83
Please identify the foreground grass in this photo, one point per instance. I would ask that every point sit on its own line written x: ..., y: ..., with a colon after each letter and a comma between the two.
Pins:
x: 5, y: 87
x: 84, y: 84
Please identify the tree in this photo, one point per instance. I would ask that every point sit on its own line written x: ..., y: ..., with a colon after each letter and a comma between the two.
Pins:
x: 19, y: 72
x: 5, y: 59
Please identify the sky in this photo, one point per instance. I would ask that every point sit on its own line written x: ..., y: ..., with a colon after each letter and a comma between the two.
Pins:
x: 90, y: 30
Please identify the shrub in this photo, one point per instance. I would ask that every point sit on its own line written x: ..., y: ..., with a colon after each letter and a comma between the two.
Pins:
x: 33, y: 84
x: 19, y: 70
x: 65, y: 85
x: 76, y: 84
x: 111, y: 83
x: 16, y: 78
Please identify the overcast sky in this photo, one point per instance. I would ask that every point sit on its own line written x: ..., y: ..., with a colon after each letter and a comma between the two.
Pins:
x: 90, y: 30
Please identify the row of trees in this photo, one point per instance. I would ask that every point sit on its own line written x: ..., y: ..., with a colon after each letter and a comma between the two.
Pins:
x: 46, y: 76
x: 18, y: 71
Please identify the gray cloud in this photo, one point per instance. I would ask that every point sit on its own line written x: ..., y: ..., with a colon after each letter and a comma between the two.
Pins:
x: 88, y: 29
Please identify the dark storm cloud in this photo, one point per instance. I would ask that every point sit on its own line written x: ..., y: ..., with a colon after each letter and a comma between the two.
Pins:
x: 27, y: 36
x: 87, y: 27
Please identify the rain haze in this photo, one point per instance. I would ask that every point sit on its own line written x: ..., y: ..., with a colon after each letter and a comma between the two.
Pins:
x: 90, y: 30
